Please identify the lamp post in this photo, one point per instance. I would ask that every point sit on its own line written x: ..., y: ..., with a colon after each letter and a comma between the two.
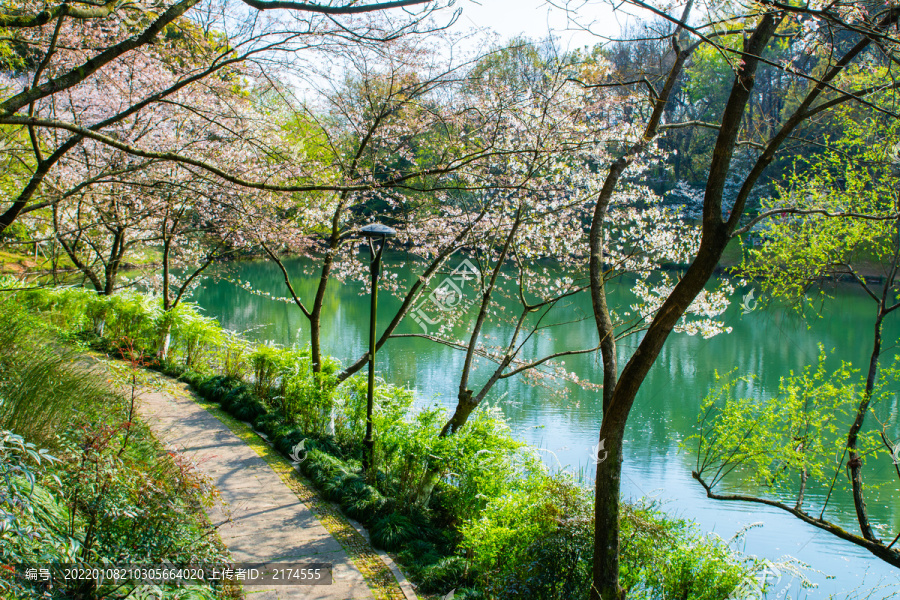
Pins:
x: 377, y: 234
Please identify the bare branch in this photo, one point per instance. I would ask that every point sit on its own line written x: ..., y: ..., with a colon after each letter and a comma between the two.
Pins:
x: 809, y: 211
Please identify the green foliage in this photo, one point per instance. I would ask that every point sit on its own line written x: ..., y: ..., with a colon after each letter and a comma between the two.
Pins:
x: 114, y: 494
x: 64, y: 308
x: 128, y: 316
x: 198, y: 338
x: 308, y: 397
x: 265, y: 361
x: 509, y: 526
x: 444, y: 574
x: 234, y: 356
x: 854, y: 177
x: 285, y: 376
x: 24, y: 535
x: 137, y: 502
x: 668, y: 558
x: 362, y: 502
x: 42, y: 391
x: 480, y: 461
x: 797, y: 434
x: 393, y: 531
x: 195, y: 340
x: 537, y: 542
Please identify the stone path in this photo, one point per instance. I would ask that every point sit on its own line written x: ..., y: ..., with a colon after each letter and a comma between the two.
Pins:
x: 262, y: 519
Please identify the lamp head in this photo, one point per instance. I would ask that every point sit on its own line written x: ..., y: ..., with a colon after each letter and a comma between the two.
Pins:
x: 377, y: 230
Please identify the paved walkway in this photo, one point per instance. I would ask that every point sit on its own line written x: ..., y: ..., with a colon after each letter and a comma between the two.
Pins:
x: 267, y: 521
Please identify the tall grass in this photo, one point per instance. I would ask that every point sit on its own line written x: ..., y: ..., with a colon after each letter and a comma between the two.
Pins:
x: 43, y: 387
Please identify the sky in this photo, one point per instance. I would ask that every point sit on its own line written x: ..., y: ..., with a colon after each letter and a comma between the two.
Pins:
x: 537, y: 18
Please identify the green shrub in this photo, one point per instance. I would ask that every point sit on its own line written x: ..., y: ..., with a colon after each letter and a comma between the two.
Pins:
x: 218, y: 388
x: 192, y: 378
x: 443, y: 576
x: 362, y: 502
x: 668, y: 558
x: 267, y: 423
x: 265, y: 361
x: 321, y: 466
x: 479, y: 462
x: 234, y: 356
x: 197, y: 338
x: 391, y: 532
x: 64, y: 308
x: 537, y: 542
x: 334, y: 488
x: 238, y: 395
x: 419, y: 554
x: 136, y: 503
x: 325, y: 443
x: 173, y: 370
x: 249, y: 409
x: 32, y: 521
x: 350, y: 411
x: 307, y: 400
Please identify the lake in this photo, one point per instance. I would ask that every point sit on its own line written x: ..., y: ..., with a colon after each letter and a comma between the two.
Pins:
x: 766, y: 342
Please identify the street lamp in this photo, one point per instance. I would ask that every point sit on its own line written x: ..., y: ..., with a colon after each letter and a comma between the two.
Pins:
x: 377, y: 234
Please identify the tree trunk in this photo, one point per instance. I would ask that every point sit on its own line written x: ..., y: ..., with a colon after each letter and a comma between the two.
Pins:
x: 714, y: 238
x: 854, y: 462
x: 167, y: 244
x: 464, y: 407
x: 73, y: 255
x: 315, y: 318
x: 165, y: 342
x: 607, y: 491
x: 115, y: 260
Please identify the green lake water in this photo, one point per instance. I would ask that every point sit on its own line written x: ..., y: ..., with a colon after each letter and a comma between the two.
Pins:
x: 766, y: 342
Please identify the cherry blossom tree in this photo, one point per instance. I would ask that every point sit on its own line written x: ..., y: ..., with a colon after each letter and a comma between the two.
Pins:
x: 539, y: 202
x: 170, y: 48
x: 865, y: 33
x: 395, y: 126
x: 105, y: 201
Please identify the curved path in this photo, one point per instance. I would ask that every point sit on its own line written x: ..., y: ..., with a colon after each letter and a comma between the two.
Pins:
x: 259, y: 518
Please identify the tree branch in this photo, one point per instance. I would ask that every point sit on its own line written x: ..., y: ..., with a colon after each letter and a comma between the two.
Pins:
x: 809, y: 211
x: 352, y: 9
x: 891, y: 557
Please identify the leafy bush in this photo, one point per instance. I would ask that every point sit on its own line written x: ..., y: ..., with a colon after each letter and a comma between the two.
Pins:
x: 131, y: 316
x: 393, y: 531
x: 307, y: 400
x: 444, y: 575
x: 138, y: 504
x: 480, y: 461
x: 234, y: 356
x: 24, y: 535
x: 362, y: 502
x: 537, y: 542
x: 265, y: 361
x: 667, y: 558
x: 198, y: 339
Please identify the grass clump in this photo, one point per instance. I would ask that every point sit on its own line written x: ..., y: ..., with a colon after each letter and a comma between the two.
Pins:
x: 42, y: 391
